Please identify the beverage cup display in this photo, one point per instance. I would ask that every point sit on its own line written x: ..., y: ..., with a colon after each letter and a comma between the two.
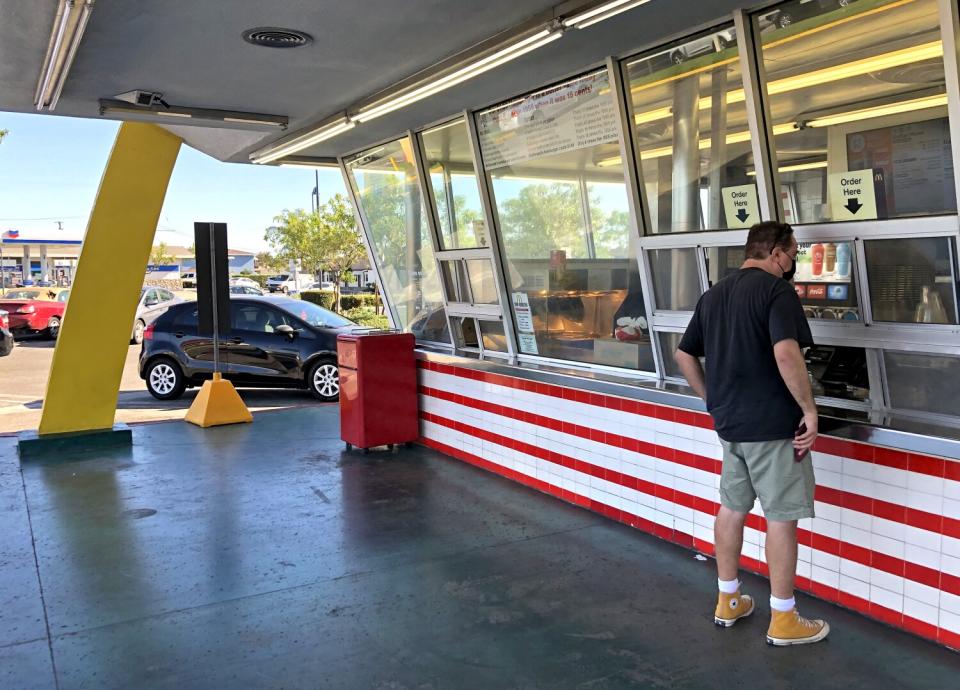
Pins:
x: 830, y: 257
x: 843, y: 260
x: 816, y: 258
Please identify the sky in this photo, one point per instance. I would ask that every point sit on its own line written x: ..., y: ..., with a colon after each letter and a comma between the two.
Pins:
x: 50, y: 169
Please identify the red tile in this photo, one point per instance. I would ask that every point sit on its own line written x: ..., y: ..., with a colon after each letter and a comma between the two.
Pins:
x: 948, y: 638
x: 922, y: 574
x: 887, y: 564
x: 926, y: 465
x: 890, y: 457
x: 951, y: 470
x: 824, y: 592
x: 886, y: 615
x: 924, y: 520
x: 918, y: 627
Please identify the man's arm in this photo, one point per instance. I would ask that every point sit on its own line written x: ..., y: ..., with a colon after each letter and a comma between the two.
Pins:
x: 692, y: 372
x: 793, y: 370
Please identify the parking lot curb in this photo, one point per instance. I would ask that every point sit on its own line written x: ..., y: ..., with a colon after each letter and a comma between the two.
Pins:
x: 33, y: 446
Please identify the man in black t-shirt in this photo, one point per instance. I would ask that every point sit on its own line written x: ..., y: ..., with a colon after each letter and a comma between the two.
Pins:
x: 750, y: 329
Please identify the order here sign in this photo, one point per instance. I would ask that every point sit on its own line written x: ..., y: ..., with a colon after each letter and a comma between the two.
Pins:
x: 852, y: 195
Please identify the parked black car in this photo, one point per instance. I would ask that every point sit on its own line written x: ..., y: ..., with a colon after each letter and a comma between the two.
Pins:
x: 273, y: 343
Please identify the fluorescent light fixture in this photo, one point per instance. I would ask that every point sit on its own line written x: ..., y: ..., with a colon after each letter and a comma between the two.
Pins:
x: 796, y: 167
x: 896, y: 58
x: 879, y: 111
x: 732, y: 138
x: 609, y: 162
x: 315, y: 136
x: 582, y: 20
x: 71, y: 21
x: 161, y: 108
x: 468, y: 71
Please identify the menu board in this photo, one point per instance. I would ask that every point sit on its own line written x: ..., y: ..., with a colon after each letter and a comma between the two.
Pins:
x: 574, y: 115
x: 916, y: 164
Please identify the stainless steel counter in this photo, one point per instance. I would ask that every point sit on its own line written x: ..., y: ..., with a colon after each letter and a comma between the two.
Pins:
x: 895, y: 432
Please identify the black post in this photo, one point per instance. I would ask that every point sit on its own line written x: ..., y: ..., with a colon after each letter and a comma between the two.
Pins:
x: 213, y: 289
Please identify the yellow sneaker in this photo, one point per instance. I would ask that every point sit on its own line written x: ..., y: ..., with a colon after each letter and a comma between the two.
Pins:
x: 731, y: 608
x: 789, y: 627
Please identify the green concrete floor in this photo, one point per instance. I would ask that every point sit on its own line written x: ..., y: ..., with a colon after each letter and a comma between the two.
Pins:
x: 263, y: 556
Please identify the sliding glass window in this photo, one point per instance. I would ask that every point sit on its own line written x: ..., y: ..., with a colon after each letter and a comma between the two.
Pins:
x: 561, y: 203
x: 858, y: 107
x: 690, y: 129
x: 385, y: 183
x: 453, y: 185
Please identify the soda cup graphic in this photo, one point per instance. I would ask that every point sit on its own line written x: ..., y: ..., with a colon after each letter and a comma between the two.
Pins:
x: 816, y: 253
x: 843, y: 260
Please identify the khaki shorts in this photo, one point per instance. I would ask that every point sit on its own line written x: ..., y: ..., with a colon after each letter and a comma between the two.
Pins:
x: 767, y: 470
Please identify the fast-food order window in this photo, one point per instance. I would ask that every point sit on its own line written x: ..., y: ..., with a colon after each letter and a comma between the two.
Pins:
x: 552, y: 159
x: 858, y: 107
x: 691, y: 132
x: 384, y: 181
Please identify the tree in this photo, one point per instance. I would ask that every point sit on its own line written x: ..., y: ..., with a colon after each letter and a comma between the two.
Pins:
x: 160, y: 256
x: 3, y: 133
x: 338, y: 238
x: 269, y: 262
x: 323, y: 240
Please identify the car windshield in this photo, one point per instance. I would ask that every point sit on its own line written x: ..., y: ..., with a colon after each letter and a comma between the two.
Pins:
x: 22, y: 294
x: 316, y: 316
x: 282, y: 276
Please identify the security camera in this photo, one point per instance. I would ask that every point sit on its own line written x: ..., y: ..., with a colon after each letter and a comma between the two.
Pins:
x: 147, y: 99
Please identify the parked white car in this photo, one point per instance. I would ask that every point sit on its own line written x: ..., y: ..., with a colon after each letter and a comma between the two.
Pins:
x: 285, y: 283
x: 189, y: 280
x: 247, y: 282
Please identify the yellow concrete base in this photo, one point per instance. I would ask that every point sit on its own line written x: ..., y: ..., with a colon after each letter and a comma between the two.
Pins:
x: 218, y: 403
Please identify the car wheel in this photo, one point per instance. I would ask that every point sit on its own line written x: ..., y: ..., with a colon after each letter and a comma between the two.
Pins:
x: 324, y: 381
x: 784, y: 20
x: 165, y: 379
x: 677, y: 57
x: 284, y: 289
x: 138, y: 329
x: 53, y: 328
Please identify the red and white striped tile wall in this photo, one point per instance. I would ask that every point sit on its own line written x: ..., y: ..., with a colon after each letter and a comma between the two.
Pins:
x: 885, y: 542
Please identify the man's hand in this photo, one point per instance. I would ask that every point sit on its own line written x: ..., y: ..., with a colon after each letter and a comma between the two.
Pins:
x: 804, y: 442
x: 692, y: 371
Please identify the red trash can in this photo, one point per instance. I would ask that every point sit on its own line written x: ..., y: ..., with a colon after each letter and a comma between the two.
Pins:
x: 378, y: 389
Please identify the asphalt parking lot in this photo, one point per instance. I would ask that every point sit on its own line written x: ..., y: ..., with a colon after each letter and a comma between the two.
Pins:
x: 23, y: 382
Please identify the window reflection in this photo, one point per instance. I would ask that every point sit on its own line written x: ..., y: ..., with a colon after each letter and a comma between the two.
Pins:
x: 912, y: 280
x: 690, y: 126
x: 924, y: 383
x: 561, y: 205
x: 676, y: 281
x: 825, y: 281
x: 858, y: 104
x: 453, y: 183
x: 385, y: 182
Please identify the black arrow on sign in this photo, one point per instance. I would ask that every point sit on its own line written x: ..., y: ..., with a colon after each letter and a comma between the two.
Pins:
x: 853, y: 205
x: 743, y: 215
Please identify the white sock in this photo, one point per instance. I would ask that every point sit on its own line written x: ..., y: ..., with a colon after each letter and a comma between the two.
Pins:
x: 782, y: 604
x: 728, y: 586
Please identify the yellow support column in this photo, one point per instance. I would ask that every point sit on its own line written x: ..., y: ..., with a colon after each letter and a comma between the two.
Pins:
x: 95, y: 334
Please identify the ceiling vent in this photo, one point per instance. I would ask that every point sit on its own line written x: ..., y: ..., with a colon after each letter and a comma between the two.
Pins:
x: 272, y: 37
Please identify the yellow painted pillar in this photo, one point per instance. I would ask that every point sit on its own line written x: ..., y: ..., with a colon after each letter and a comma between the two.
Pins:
x: 95, y: 335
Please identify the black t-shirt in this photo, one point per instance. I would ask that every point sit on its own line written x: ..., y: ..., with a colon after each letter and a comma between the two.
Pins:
x: 735, y: 326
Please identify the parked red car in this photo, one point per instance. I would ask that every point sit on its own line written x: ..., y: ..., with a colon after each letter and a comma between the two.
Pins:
x: 35, y: 311
x: 6, y: 337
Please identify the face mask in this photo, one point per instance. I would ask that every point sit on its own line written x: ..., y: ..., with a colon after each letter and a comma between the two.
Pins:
x: 788, y: 275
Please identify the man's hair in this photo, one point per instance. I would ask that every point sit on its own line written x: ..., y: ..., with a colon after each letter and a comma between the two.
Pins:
x: 763, y: 237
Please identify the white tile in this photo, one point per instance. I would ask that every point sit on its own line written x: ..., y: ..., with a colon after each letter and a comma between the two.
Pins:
x: 950, y: 602
x: 888, y: 546
x: 751, y: 550
x: 890, y: 476
x: 834, y: 480
x: 887, y: 581
x: 855, y: 570
x: 950, y: 564
x: 825, y: 576
x: 949, y: 621
x: 925, y: 483
x: 921, y: 611
x: 828, y: 511
x: 856, y: 519
x: 804, y: 553
x: 886, y: 598
x: 889, y: 528
x: 855, y: 587
x: 921, y: 556
x: 857, y: 468
x: 924, y: 593
x: 826, y: 462
x: 826, y: 561
x: 951, y: 546
x: 951, y: 508
x: 804, y: 569
x: 951, y: 489
x: 927, y: 502
x: 855, y: 536
x: 827, y: 528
